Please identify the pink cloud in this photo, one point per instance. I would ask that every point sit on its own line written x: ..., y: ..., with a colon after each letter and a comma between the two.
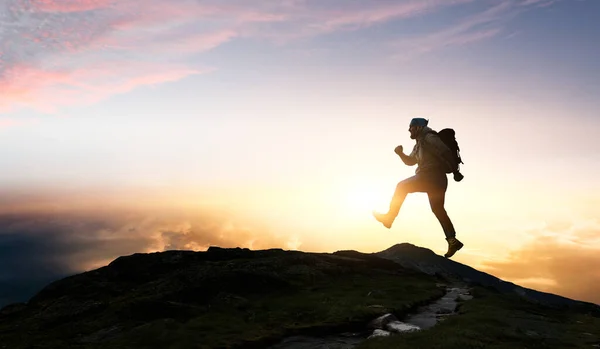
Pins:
x: 173, y: 42
x: 251, y: 16
x: 67, y: 5
x: 464, y: 32
x: 9, y: 122
x: 539, y: 3
x: 200, y: 43
x: 51, y: 49
x: 68, y: 60
x: 48, y: 90
x: 481, y: 26
x: 47, y: 42
x: 344, y: 16
x: 382, y: 13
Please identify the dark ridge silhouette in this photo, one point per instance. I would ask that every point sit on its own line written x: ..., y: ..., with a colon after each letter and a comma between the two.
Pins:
x: 240, y: 298
x: 426, y: 261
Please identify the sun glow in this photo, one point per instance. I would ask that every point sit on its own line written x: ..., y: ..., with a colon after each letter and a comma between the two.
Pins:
x: 365, y: 196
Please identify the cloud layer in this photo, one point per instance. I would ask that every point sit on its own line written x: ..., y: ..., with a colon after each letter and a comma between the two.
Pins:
x: 561, y: 259
x: 43, y: 238
x: 39, y: 247
x: 56, y: 53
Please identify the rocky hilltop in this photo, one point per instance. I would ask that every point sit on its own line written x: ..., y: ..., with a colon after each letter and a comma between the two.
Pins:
x: 239, y: 298
x: 426, y: 261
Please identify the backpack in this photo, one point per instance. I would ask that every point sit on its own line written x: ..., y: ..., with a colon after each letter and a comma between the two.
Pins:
x: 448, y: 136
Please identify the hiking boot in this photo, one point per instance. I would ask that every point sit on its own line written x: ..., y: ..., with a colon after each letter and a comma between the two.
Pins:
x: 384, y: 219
x: 453, y: 246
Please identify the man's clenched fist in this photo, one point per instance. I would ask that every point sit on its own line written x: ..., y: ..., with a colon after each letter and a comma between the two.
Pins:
x: 399, y: 150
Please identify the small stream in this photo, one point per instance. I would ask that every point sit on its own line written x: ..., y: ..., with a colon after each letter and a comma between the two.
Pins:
x: 423, y: 318
x: 428, y: 315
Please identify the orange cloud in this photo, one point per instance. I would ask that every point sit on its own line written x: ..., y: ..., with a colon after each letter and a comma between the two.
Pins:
x: 47, y: 236
x: 569, y: 269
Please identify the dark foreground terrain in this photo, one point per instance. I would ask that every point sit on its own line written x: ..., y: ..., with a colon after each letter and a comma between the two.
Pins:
x: 237, y: 298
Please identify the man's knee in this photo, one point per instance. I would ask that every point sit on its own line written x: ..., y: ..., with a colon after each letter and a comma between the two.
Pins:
x: 436, y: 201
x: 407, y: 185
x: 401, y: 186
x: 439, y: 210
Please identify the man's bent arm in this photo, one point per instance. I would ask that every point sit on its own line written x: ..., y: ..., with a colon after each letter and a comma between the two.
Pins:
x: 409, y: 160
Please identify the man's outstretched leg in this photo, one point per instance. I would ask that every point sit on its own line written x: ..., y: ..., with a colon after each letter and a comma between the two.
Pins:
x: 436, y: 200
x: 404, y: 187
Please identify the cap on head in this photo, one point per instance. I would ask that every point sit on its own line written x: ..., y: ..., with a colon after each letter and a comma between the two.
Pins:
x: 419, y: 122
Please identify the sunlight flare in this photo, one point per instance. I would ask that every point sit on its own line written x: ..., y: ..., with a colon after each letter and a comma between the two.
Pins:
x: 361, y: 197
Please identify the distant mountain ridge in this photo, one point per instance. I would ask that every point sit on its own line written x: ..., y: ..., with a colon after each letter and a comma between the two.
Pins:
x: 426, y: 261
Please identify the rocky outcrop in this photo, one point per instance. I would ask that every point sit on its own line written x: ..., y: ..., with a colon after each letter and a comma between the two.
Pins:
x: 426, y: 261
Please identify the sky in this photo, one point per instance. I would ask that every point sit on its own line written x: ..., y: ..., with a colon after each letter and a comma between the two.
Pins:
x: 130, y: 126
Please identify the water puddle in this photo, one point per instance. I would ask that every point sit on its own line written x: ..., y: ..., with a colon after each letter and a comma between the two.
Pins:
x: 423, y: 318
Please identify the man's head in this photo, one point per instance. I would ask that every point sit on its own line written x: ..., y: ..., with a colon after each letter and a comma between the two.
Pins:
x: 416, y: 126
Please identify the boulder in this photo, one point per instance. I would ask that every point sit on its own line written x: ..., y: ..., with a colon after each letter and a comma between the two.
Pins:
x: 379, y: 333
x: 401, y: 327
x: 382, y: 321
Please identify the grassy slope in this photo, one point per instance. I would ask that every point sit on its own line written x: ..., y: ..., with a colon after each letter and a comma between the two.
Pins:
x: 497, y: 321
x: 326, y: 303
x: 196, y: 300
x: 208, y: 304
